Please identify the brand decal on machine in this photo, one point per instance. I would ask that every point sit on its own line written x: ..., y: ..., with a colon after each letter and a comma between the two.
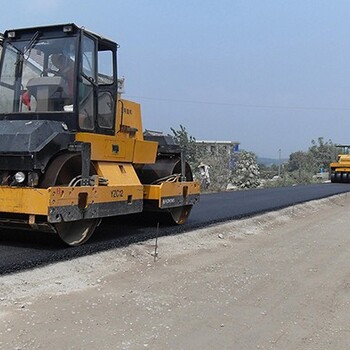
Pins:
x: 167, y: 201
x: 127, y: 110
x: 117, y: 193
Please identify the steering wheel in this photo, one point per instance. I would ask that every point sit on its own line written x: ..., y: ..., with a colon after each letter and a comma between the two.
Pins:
x: 51, y: 71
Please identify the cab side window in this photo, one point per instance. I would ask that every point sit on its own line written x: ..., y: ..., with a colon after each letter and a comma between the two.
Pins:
x: 86, y: 87
x: 105, y: 79
x: 105, y: 67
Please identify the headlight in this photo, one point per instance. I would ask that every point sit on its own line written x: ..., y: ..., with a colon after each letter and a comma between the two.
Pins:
x: 20, y: 177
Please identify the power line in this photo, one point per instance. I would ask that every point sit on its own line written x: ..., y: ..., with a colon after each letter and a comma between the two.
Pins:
x: 243, y: 105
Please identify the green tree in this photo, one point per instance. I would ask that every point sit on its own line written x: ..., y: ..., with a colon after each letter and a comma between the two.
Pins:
x: 300, y: 167
x: 188, y: 145
x: 268, y: 172
x: 298, y: 160
x: 321, y: 153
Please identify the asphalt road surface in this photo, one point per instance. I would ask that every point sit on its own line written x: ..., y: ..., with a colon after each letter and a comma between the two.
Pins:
x: 23, y: 249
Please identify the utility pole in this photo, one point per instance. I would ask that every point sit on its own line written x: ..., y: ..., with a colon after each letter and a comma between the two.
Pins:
x: 279, y: 163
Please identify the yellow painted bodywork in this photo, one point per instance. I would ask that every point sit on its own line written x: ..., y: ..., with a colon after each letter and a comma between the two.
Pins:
x: 118, y: 173
x: 170, y: 189
x: 343, y: 163
x: 65, y: 196
x: 127, y: 145
x: 341, y: 169
x: 129, y: 116
x: 20, y: 200
x: 123, y: 185
x: 24, y: 200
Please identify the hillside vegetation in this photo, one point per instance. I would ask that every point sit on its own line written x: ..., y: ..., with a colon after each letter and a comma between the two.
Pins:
x: 240, y: 170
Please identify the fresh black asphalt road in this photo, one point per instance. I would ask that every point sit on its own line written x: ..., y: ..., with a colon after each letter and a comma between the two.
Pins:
x: 24, y: 249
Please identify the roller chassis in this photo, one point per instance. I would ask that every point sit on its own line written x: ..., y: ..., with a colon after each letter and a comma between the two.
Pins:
x: 44, y: 208
x: 59, y: 204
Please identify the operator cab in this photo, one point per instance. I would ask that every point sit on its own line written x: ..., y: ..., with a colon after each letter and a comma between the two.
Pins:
x: 62, y: 73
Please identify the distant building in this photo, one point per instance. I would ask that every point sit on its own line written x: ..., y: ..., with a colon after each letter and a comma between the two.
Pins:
x: 213, y: 147
x: 217, y: 147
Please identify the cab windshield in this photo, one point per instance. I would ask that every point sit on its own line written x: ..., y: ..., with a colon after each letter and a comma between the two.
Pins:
x: 38, y: 76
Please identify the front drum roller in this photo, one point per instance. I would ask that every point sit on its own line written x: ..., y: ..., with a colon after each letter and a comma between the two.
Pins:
x: 344, y: 177
x: 60, y: 172
x: 161, y: 170
x: 337, y: 177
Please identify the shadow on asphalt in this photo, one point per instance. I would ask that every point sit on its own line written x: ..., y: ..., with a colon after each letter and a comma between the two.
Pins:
x: 27, y: 249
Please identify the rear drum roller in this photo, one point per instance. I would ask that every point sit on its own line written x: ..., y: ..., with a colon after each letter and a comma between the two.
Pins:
x: 60, y: 172
x: 162, y: 170
x: 179, y: 215
x: 344, y: 177
x: 337, y: 177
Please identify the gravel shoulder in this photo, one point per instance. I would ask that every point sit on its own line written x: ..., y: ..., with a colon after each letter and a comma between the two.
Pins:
x: 275, y: 281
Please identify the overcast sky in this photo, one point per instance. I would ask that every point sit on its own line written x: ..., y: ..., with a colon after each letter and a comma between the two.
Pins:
x: 271, y: 74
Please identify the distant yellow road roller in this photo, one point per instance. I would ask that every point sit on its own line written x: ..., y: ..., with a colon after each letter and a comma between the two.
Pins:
x: 340, y: 170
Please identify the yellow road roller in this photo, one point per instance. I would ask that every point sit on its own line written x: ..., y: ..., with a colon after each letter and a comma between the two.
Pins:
x: 72, y: 151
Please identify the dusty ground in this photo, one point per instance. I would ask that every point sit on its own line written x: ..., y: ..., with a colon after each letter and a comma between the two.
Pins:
x: 277, y: 281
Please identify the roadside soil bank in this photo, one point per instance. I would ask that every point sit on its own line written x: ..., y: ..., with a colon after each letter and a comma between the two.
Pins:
x: 275, y: 281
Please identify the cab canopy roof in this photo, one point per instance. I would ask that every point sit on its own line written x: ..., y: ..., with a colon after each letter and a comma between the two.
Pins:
x: 51, y: 31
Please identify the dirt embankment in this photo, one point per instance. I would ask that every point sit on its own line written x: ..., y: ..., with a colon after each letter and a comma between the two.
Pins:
x: 277, y: 281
